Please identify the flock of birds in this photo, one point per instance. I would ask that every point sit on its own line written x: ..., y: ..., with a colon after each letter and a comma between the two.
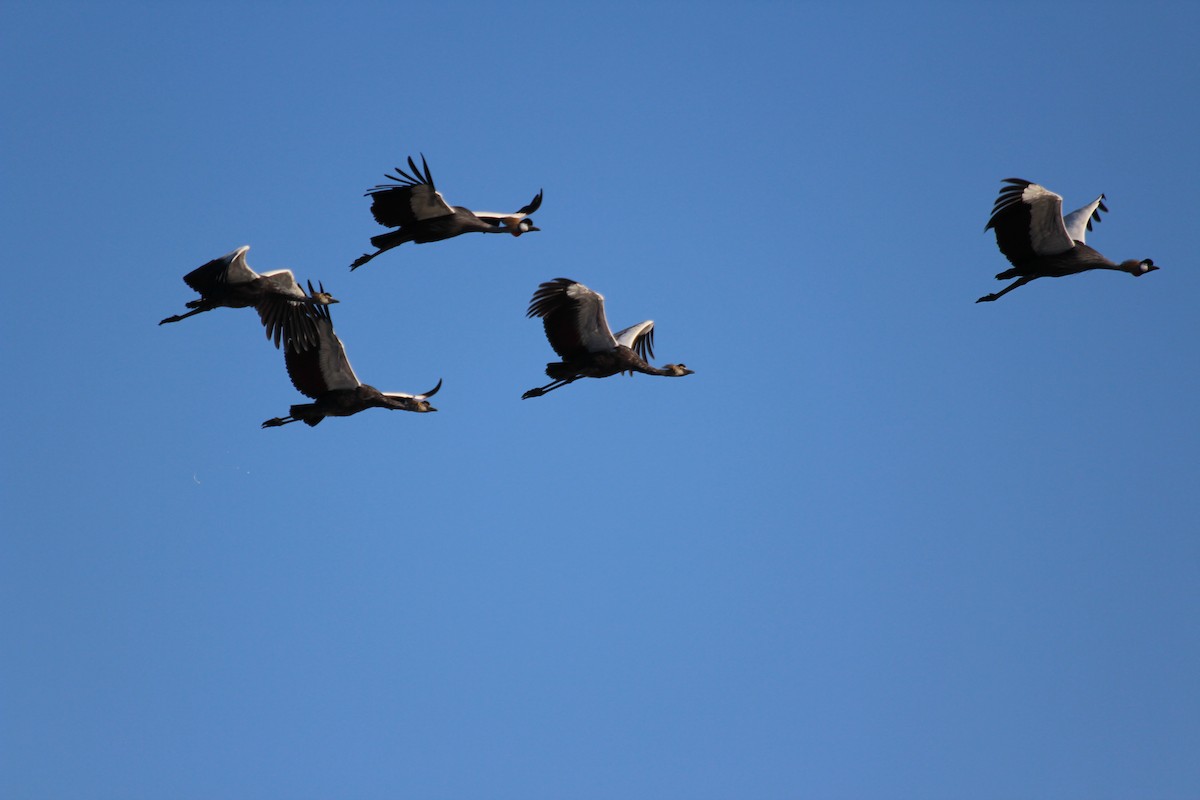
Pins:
x: 300, y: 322
x: 1031, y: 232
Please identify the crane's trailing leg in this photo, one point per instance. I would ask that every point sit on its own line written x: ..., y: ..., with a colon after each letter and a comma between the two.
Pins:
x: 300, y: 412
x: 987, y: 298
x: 364, y: 258
x: 193, y: 305
x: 549, y: 387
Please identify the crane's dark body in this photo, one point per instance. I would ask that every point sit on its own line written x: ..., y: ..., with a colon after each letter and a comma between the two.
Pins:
x: 345, y: 403
x: 1079, y: 258
x: 1039, y: 242
x: 577, y: 328
x: 414, y: 205
x: 463, y: 220
x: 602, y: 365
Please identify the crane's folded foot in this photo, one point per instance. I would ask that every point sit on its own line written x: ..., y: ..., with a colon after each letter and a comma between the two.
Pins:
x: 987, y: 298
x: 273, y: 423
x: 533, y: 393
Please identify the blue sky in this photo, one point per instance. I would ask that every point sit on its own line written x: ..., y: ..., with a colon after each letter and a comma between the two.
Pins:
x: 884, y: 543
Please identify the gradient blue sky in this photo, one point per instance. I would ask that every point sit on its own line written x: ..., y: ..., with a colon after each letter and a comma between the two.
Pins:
x: 885, y: 543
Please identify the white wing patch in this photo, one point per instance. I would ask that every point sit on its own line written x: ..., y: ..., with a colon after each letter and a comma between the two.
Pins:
x: 335, y: 367
x: 239, y: 271
x: 428, y: 203
x: 496, y: 215
x: 1077, y: 221
x: 284, y: 282
x: 1047, y: 232
x: 594, y: 332
x: 406, y: 396
x: 631, y: 334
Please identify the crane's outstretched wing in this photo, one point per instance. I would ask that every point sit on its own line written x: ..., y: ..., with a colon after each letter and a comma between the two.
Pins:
x: 409, y: 200
x: 285, y: 313
x: 573, y: 316
x: 325, y: 367
x: 405, y: 396
x: 639, y: 338
x: 496, y: 217
x: 1028, y: 222
x: 1079, y: 221
x: 230, y: 268
x: 533, y: 206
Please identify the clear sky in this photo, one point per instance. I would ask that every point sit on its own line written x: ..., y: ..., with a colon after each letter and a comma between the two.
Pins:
x: 884, y: 543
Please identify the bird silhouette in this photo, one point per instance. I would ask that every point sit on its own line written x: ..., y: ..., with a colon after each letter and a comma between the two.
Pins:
x: 283, y: 307
x: 421, y: 213
x: 1033, y: 234
x: 324, y: 374
x: 577, y: 328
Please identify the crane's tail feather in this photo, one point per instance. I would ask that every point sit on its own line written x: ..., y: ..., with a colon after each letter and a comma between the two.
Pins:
x: 306, y: 413
x: 559, y: 371
x: 386, y: 241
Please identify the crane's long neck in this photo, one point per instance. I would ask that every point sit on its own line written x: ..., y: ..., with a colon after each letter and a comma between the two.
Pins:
x: 1093, y: 259
x: 636, y: 363
x: 1133, y: 266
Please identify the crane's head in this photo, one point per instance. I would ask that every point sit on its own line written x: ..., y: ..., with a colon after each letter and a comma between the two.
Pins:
x: 408, y: 403
x: 1138, y: 268
x: 519, y: 225
x: 678, y: 370
x: 319, y: 296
